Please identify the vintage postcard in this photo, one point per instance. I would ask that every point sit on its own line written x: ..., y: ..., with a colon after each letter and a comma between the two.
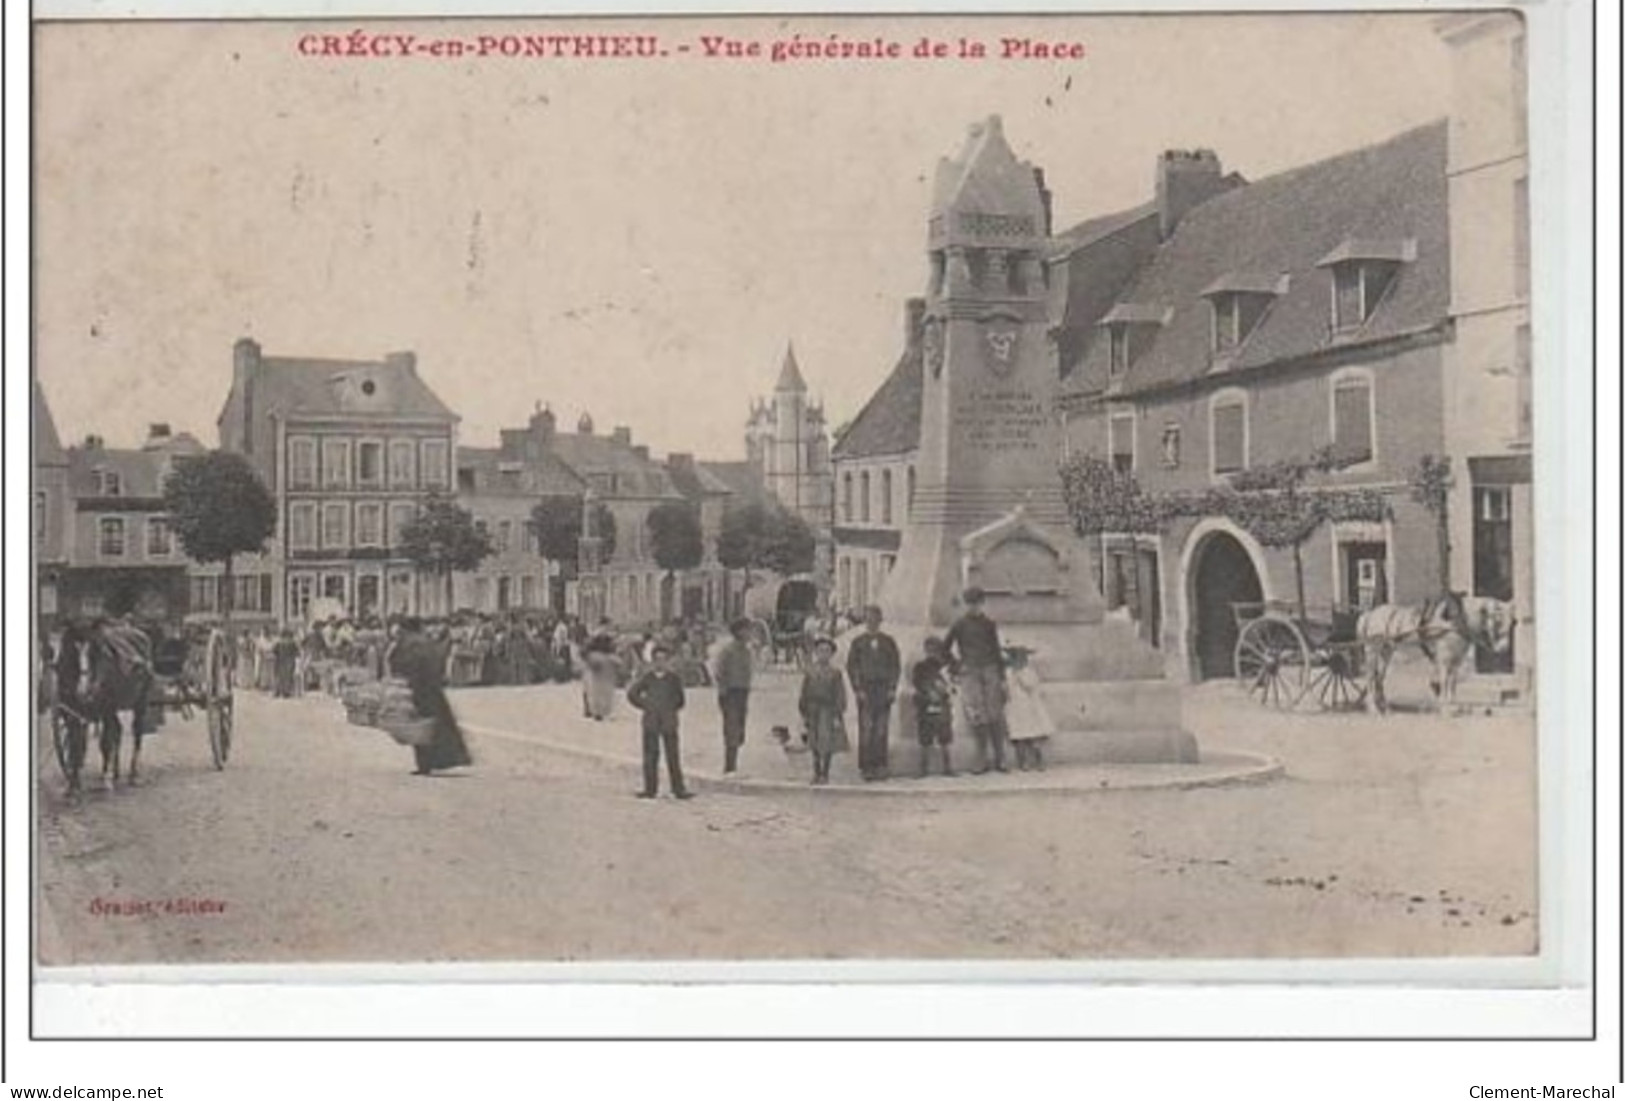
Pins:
x: 1044, y: 490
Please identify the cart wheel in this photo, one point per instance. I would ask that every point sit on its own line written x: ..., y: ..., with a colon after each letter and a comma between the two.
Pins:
x: 1272, y: 661
x: 59, y: 741
x: 1336, y: 683
x: 218, y: 700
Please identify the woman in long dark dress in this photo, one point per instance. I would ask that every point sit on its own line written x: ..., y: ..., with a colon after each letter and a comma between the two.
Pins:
x: 421, y: 662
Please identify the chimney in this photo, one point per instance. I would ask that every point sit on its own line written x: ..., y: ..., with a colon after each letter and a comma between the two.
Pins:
x: 407, y: 361
x: 543, y: 426
x: 623, y: 435
x: 1186, y: 178
x: 913, y: 321
x: 641, y: 451
x: 245, y: 364
x: 158, y: 435
x: 93, y: 443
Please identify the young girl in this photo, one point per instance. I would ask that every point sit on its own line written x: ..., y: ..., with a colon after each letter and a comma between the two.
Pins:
x: 823, y: 710
x: 1029, y: 719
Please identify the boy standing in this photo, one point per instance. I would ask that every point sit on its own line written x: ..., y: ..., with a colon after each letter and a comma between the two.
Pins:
x: 732, y: 676
x: 874, y: 666
x: 933, y: 706
x: 658, y: 693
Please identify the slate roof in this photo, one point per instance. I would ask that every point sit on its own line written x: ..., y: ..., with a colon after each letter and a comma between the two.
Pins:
x: 548, y: 476
x: 1288, y: 225
x: 139, y: 469
x: 1087, y: 232
x: 318, y: 386
x: 693, y: 480
x: 890, y: 423
x: 743, y: 479
x: 47, y: 442
x: 597, y: 458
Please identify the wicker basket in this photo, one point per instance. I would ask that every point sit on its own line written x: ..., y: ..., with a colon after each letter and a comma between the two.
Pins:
x: 412, y: 732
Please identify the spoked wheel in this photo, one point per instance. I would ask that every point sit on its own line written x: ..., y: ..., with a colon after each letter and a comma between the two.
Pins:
x: 1336, y: 682
x: 1272, y: 661
x: 218, y: 700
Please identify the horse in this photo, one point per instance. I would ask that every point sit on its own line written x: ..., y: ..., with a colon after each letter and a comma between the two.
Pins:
x: 120, y: 679
x: 1446, y: 629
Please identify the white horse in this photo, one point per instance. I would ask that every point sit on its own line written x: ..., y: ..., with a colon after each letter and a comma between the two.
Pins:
x: 1446, y: 630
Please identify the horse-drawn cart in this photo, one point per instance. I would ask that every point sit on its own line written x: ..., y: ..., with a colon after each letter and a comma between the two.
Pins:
x: 1283, y: 658
x: 782, y: 614
x: 130, y: 670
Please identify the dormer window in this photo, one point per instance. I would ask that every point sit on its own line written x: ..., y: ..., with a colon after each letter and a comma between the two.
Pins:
x: 1359, y: 286
x: 1118, y: 336
x: 1362, y: 272
x: 108, y: 483
x: 1239, y: 301
x: 1130, y: 328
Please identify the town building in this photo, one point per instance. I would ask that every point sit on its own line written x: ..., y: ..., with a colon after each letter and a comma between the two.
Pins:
x: 1218, y: 328
x: 1274, y: 319
x: 53, y: 508
x: 703, y: 591
x: 501, y: 486
x: 350, y: 450
x: 121, y: 555
x: 627, y: 585
x: 1488, y: 407
x: 874, y: 460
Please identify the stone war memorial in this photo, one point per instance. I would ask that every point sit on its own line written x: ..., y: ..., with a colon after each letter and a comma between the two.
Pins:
x: 988, y: 509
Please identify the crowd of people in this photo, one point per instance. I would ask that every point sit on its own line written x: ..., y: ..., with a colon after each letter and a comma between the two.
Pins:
x: 966, y: 678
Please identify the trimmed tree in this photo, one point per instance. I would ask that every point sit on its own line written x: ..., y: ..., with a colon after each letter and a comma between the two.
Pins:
x: 1430, y: 484
x: 676, y: 539
x: 557, y: 524
x: 219, y: 508
x: 762, y: 535
x: 443, y: 539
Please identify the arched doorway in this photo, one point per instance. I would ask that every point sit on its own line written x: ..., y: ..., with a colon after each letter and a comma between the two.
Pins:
x: 1224, y: 575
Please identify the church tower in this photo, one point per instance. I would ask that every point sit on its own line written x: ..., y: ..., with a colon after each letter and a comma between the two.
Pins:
x: 787, y: 465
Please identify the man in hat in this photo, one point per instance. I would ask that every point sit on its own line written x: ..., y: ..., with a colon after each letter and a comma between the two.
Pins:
x: 874, y: 667
x: 973, y: 643
x: 658, y: 693
x: 732, y: 676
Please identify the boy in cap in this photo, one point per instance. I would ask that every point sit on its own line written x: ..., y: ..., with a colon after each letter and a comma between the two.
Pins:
x: 658, y: 693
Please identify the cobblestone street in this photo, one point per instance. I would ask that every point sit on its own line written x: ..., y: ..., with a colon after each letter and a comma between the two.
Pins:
x: 1406, y: 836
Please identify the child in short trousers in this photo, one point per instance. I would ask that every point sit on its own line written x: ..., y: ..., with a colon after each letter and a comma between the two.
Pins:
x: 933, y: 706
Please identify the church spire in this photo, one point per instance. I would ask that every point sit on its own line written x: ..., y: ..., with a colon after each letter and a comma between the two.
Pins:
x: 790, y: 375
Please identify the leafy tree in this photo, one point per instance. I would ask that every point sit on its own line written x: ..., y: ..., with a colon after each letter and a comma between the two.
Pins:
x: 443, y: 539
x: 761, y: 535
x: 1430, y: 484
x: 789, y: 546
x: 557, y: 524
x: 219, y: 508
x: 676, y: 538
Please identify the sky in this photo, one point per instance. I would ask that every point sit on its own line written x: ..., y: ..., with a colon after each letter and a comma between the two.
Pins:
x: 638, y: 238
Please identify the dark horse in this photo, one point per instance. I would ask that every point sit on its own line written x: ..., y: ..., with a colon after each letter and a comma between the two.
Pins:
x: 101, y: 673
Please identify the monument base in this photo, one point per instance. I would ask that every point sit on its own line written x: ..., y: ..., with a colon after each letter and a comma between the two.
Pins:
x: 1110, y: 703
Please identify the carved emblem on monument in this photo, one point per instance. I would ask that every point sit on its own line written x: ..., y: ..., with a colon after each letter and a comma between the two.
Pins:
x: 1002, y: 341
x: 931, y: 343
